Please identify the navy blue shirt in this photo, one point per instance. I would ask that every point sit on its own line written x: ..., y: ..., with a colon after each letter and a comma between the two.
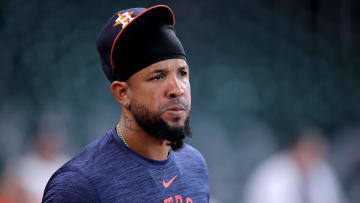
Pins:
x: 108, y: 171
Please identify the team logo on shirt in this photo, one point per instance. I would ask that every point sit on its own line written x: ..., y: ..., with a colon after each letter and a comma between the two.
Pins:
x: 123, y: 19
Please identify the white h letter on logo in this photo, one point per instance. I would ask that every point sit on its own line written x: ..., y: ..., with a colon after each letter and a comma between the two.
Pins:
x: 124, y: 19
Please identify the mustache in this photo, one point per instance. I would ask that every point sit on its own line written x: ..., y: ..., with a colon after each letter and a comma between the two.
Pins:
x: 174, y: 102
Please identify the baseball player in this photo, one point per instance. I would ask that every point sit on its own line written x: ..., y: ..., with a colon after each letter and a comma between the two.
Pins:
x: 143, y: 158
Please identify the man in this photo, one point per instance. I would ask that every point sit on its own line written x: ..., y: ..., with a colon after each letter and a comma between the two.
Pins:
x: 143, y: 159
x: 299, y: 174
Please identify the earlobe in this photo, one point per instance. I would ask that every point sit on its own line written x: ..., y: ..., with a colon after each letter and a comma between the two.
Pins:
x: 120, y: 91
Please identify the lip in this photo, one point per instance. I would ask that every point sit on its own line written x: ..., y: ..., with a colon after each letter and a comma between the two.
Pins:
x: 175, y: 112
x: 176, y: 108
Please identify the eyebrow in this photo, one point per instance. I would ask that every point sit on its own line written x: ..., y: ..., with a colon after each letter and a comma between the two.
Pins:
x: 161, y: 70
x: 183, y: 67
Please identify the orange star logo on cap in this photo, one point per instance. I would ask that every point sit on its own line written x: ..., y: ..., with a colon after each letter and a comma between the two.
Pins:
x: 123, y: 19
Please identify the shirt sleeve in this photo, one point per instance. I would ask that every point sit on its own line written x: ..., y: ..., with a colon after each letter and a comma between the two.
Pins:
x: 68, y: 187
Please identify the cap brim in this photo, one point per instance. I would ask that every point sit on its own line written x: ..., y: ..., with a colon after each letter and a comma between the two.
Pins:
x: 160, y: 14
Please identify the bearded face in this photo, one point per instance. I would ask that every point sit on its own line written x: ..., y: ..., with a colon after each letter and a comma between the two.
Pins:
x: 159, y: 99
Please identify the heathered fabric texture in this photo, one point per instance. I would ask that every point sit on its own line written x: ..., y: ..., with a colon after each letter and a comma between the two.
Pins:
x: 108, y: 171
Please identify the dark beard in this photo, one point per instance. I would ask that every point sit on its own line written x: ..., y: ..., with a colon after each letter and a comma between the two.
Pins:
x: 157, y: 127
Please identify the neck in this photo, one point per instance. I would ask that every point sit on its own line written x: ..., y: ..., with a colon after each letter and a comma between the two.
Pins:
x: 140, y: 141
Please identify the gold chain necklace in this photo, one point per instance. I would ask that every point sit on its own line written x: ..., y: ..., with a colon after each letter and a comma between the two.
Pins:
x: 119, y: 132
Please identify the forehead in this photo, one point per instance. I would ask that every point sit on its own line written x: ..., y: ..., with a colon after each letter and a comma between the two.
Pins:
x: 169, y: 64
x: 161, y: 66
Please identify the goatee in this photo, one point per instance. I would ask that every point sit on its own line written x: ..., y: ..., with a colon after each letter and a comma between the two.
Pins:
x: 157, y: 127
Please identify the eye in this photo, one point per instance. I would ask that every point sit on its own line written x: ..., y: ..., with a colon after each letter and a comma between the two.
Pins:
x: 157, y: 77
x: 183, y: 73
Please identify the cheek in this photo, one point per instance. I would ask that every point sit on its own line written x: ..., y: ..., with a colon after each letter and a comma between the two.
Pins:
x: 189, y: 103
x: 144, y: 97
x: 188, y: 95
x: 153, y: 99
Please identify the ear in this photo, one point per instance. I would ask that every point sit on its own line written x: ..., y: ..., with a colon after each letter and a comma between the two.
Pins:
x: 121, y: 92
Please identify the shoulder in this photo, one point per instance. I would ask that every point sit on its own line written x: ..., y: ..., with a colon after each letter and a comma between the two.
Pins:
x: 189, y: 156
x: 278, y: 171
x: 192, y: 168
x: 93, y: 156
x: 279, y: 165
x: 189, y: 152
x: 75, y: 179
x: 69, y: 185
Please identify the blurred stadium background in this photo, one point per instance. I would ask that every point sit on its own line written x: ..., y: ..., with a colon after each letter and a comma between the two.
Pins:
x: 258, y: 69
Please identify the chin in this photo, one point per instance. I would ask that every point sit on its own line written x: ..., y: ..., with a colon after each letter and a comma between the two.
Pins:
x: 176, y: 122
x: 176, y: 125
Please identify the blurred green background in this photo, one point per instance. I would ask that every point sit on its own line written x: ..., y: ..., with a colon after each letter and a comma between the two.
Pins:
x: 258, y: 68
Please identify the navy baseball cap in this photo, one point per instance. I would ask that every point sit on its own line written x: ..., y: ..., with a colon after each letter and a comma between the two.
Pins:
x: 135, y: 38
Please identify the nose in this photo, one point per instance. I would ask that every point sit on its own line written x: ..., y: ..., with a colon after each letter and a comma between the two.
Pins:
x: 174, y: 88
